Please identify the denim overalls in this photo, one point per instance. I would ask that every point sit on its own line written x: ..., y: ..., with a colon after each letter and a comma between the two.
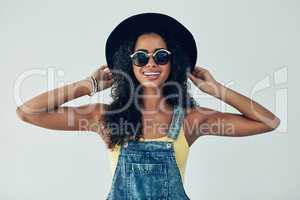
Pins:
x: 148, y: 170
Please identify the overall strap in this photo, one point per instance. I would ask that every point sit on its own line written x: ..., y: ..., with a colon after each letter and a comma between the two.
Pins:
x: 177, y: 119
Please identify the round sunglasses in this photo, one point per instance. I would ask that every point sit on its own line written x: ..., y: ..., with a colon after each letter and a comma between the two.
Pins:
x: 160, y: 56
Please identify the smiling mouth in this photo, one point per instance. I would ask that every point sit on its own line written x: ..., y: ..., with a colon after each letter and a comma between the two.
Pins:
x: 151, y: 75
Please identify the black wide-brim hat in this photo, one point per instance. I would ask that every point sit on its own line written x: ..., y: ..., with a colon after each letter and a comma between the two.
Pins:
x: 150, y: 22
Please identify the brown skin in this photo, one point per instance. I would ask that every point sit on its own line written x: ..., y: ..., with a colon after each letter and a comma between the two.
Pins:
x: 155, y: 110
x: 254, y: 118
x: 151, y: 42
x: 48, y: 112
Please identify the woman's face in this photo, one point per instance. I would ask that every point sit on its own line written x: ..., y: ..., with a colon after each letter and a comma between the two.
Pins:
x: 150, y: 42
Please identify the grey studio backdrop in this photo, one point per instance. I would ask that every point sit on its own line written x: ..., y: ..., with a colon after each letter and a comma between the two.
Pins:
x: 250, y: 46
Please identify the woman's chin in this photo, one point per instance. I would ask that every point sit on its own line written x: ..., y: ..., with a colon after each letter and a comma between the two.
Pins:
x: 151, y: 83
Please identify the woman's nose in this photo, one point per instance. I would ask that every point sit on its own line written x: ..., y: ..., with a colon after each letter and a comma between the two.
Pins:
x: 151, y: 62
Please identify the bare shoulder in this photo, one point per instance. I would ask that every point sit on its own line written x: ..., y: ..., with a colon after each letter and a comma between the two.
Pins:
x: 194, y: 117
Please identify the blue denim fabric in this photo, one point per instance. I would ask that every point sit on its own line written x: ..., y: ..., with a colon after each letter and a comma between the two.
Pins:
x: 177, y: 118
x: 148, y: 170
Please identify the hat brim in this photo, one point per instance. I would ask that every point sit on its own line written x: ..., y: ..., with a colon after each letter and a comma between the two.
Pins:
x: 146, y: 22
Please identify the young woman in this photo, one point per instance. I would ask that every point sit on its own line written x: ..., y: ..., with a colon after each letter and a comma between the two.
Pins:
x: 152, y: 121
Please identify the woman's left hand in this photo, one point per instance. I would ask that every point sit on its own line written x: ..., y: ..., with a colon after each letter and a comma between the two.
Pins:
x: 204, y: 80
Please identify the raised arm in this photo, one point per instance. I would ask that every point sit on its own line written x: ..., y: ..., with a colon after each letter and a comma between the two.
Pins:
x: 46, y: 110
x: 254, y: 118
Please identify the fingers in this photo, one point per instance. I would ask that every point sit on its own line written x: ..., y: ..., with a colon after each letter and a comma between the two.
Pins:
x: 191, y: 76
x: 105, y: 76
x: 196, y: 79
x: 200, y: 72
x: 110, y: 82
x: 106, y: 72
x: 102, y: 67
x: 108, y: 76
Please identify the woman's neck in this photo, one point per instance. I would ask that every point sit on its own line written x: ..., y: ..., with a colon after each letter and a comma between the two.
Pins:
x: 153, y: 99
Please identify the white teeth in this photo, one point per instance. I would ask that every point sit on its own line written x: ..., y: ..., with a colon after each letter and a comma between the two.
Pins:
x: 151, y: 73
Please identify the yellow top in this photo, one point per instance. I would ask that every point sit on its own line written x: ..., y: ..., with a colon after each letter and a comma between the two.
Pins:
x: 181, y: 149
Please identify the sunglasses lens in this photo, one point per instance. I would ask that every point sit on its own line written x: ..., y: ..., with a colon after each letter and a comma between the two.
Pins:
x: 162, y: 57
x: 140, y: 59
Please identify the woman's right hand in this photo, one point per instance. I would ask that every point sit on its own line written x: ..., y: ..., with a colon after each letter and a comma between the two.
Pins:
x: 104, y: 77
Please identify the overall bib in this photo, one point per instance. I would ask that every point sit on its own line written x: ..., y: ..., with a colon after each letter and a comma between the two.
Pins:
x: 148, y: 170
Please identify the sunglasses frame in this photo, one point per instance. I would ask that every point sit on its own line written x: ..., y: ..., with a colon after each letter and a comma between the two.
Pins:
x: 148, y: 55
